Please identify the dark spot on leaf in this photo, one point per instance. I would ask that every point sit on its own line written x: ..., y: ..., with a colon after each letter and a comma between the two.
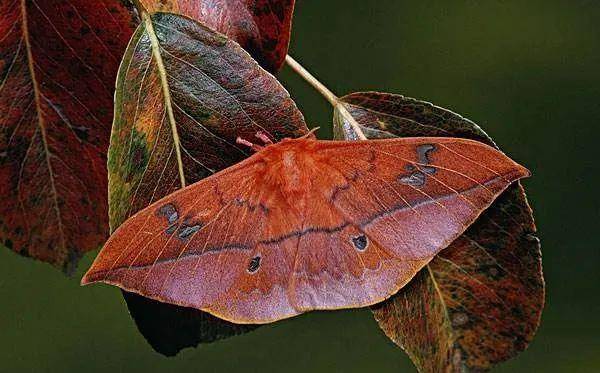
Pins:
x: 517, y: 312
x: 81, y: 132
x: 360, y: 242
x: 83, y: 31
x: 457, y: 357
x: 459, y: 319
x: 138, y: 154
x: 254, y: 264
x: 269, y: 44
x: 492, y: 271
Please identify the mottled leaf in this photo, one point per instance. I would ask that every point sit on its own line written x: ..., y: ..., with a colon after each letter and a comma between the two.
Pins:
x: 479, y: 301
x: 58, y: 63
x: 262, y: 27
x: 184, y: 93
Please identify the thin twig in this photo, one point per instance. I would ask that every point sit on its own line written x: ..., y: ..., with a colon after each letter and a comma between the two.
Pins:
x: 320, y: 87
x: 329, y: 96
x: 139, y: 6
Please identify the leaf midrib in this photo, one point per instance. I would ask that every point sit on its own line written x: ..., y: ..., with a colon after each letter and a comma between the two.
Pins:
x: 41, y: 121
x: 162, y: 72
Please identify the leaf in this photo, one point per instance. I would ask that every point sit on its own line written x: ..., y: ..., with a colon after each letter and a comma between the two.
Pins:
x: 58, y: 63
x: 184, y: 93
x: 262, y: 27
x: 169, y: 328
x: 479, y: 301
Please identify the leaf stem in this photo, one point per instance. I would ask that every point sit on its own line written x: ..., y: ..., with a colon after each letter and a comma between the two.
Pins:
x: 320, y: 87
x: 341, y: 108
x: 140, y: 7
x: 329, y: 96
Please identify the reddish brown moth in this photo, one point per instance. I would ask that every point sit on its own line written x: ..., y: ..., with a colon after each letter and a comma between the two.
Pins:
x: 306, y: 224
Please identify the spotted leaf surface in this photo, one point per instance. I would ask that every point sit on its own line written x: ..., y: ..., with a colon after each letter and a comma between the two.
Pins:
x: 215, y: 92
x: 262, y: 27
x: 479, y: 301
x: 58, y: 63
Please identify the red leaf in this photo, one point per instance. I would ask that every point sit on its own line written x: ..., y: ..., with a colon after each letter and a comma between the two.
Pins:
x: 262, y: 27
x: 57, y: 70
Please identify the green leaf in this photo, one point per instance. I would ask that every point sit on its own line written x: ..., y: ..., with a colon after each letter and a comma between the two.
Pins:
x: 479, y: 301
x: 184, y: 93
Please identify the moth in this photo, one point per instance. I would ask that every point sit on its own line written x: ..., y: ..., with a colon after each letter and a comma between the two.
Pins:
x: 305, y: 224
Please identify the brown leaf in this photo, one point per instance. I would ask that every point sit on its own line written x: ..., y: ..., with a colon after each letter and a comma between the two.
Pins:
x: 184, y: 93
x: 479, y: 301
x: 262, y: 27
x: 58, y: 63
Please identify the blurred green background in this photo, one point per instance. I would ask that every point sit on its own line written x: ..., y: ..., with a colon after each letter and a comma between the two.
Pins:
x: 527, y: 71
